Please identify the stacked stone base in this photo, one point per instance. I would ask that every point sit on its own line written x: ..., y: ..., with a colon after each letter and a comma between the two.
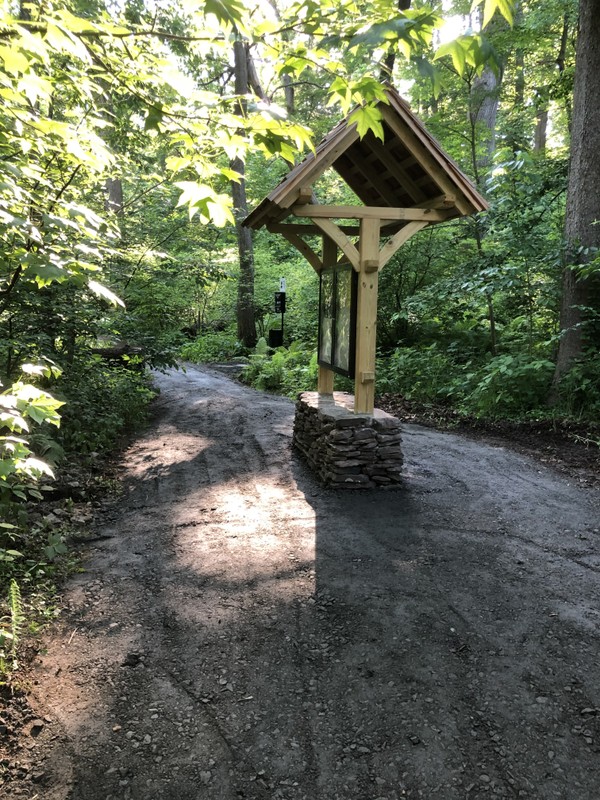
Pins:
x: 347, y: 450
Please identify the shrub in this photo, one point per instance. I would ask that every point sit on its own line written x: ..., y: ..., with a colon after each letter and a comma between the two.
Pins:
x: 287, y: 371
x: 508, y: 385
x: 423, y: 375
x: 211, y: 347
x: 505, y: 385
x: 102, y: 402
x: 579, y: 389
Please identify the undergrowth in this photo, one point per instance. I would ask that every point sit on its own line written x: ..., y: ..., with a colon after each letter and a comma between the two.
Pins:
x: 41, y: 434
x: 506, y: 386
x: 34, y: 561
x: 286, y: 370
x: 211, y: 348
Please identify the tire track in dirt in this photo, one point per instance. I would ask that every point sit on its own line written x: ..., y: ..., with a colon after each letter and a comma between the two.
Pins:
x: 245, y: 634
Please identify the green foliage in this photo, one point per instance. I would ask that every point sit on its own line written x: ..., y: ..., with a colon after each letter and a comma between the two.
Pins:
x: 211, y: 347
x: 579, y: 388
x: 23, y: 409
x: 501, y: 386
x: 472, y: 51
x: 28, y: 579
x: 425, y: 375
x: 505, y: 7
x: 507, y: 385
x: 286, y: 371
x: 11, y: 628
x: 102, y: 402
x: 9, y: 536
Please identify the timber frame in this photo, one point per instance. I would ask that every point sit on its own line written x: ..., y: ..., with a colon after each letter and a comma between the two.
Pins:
x: 406, y: 183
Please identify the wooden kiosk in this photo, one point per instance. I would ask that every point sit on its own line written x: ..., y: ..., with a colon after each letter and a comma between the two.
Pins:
x: 406, y: 182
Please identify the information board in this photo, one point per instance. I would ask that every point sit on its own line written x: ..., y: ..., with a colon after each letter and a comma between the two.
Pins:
x: 337, y: 319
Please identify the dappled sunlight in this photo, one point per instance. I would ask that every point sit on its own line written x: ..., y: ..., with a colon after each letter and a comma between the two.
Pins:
x: 245, y: 625
x: 226, y: 601
x: 151, y: 457
x: 246, y: 523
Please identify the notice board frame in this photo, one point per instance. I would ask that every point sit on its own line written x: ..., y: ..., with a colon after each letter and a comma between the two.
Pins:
x: 337, y: 320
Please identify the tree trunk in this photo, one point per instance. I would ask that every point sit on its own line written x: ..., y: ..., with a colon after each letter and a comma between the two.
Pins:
x: 253, y: 79
x: 541, y: 128
x: 484, y: 109
x: 560, y: 63
x: 114, y: 196
x: 387, y: 65
x: 581, y: 296
x: 246, y: 327
x: 289, y: 94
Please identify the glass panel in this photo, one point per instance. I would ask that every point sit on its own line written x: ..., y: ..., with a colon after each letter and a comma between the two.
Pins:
x: 343, y: 318
x: 326, y: 321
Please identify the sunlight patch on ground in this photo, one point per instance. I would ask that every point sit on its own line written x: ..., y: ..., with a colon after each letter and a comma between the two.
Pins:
x: 266, y: 541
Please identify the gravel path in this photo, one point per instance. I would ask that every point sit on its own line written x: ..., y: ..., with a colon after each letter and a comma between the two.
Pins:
x: 242, y: 633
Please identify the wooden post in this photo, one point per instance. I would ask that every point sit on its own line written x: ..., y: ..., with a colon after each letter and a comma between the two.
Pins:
x: 325, y: 377
x: 366, y: 317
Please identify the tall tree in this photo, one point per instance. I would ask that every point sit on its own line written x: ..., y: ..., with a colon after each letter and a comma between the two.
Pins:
x: 245, y: 300
x: 581, y: 286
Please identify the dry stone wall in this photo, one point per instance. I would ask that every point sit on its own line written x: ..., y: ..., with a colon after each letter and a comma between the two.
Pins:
x: 347, y: 450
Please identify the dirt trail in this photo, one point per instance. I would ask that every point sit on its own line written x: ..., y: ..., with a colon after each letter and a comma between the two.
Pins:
x: 244, y: 634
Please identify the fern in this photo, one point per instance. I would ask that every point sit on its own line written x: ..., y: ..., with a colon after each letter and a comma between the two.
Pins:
x: 11, y: 634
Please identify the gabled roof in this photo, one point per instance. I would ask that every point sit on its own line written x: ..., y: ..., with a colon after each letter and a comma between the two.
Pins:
x: 408, y: 169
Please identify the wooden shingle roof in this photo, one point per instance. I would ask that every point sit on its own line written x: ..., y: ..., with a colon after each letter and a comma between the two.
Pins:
x: 407, y: 170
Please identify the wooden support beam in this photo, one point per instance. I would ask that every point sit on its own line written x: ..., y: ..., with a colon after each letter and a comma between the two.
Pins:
x: 305, y: 195
x: 371, y: 212
x: 366, y: 318
x: 301, y: 228
x: 396, y: 169
x: 424, y: 157
x: 441, y: 201
x: 403, y: 235
x: 325, y: 380
x: 304, y: 248
x: 331, y: 230
x: 351, y: 165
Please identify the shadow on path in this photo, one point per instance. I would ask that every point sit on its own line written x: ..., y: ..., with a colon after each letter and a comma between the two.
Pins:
x: 247, y: 634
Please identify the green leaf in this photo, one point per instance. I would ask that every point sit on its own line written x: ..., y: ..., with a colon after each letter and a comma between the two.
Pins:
x: 456, y: 50
x: 473, y: 50
x: 14, y: 60
x: 194, y: 195
x: 428, y: 70
x: 153, y: 118
x: 101, y: 291
x: 37, y: 467
x: 505, y: 7
x: 220, y: 213
x: 367, y: 118
x: 228, y: 12
x: 62, y: 40
x: 45, y: 274
x: 410, y: 28
x: 77, y: 24
x: 230, y: 174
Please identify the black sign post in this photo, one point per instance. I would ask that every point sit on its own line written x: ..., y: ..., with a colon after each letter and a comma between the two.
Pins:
x: 280, y: 302
x: 280, y: 307
x: 276, y: 336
